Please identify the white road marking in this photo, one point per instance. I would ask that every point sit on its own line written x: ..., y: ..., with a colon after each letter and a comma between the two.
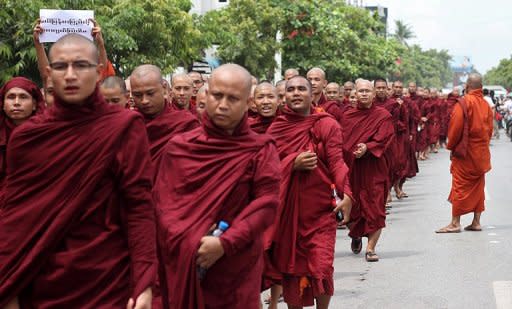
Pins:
x: 487, y: 195
x: 491, y: 227
x: 492, y: 234
x: 494, y: 242
x: 503, y: 294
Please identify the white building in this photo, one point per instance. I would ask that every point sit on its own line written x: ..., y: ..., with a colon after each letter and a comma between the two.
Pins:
x: 203, y: 6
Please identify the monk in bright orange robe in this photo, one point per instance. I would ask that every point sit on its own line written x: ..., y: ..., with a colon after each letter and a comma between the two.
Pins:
x: 469, y: 135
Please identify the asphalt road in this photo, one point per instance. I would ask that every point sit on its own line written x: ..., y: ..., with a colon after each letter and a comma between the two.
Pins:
x: 421, y: 269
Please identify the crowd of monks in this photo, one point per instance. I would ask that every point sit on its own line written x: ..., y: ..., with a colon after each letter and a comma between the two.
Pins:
x: 111, y: 189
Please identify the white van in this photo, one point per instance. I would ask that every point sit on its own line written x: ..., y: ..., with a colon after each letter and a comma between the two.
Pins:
x: 498, y: 90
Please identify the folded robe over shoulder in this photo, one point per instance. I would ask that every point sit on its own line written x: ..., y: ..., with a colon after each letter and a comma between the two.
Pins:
x: 206, y: 176
x: 369, y: 174
x: 305, y: 230
x: 78, y: 227
x: 163, y: 127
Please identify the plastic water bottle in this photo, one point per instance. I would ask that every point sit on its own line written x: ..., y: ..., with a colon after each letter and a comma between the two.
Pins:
x: 221, y: 228
x: 335, y: 201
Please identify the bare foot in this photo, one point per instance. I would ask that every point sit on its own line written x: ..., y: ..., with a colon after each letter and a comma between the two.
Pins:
x: 473, y: 227
x: 450, y: 228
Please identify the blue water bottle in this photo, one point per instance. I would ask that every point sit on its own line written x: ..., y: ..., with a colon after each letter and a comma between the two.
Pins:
x: 221, y: 228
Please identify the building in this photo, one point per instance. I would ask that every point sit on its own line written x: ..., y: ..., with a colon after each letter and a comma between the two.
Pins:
x: 202, y: 6
x: 382, y: 13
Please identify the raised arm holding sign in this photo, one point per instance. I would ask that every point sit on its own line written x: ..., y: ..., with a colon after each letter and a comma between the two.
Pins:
x: 58, y: 23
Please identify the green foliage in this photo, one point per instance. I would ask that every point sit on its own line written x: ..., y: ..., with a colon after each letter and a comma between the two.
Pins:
x: 346, y: 41
x: 245, y: 32
x: 403, y: 32
x: 501, y: 74
x: 160, y: 32
x: 429, y: 68
x: 341, y: 39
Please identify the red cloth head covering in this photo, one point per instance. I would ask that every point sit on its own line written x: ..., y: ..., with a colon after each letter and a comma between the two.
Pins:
x: 27, y: 85
x: 6, y: 125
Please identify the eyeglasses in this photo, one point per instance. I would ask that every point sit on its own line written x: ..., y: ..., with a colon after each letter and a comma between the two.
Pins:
x: 78, y: 66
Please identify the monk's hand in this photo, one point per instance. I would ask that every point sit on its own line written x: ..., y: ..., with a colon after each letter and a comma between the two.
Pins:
x: 96, y: 32
x: 13, y: 304
x: 209, y: 251
x: 305, y: 161
x: 360, y: 150
x: 410, y: 137
x: 143, y: 300
x: 424, y: 119
x: 345, y: 206
x: 37, y: 31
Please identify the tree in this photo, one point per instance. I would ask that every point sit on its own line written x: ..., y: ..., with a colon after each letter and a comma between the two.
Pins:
x: 501, y: 74
x: 245, y: 33
x: 341, y: 39
x: 403, y: 32
x: 160, y: 32
x: 429, y: 68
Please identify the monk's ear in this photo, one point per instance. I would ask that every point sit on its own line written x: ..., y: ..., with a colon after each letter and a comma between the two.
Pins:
x: 99, y: 68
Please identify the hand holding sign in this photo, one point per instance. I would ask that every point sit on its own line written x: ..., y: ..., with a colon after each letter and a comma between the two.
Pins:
x: 57, y: 23
x: 96, y: 33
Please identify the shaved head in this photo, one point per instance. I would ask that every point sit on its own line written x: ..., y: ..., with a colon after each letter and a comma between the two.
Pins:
x: 474, y: 81
x: 182, y: 77
x: 146, y: 69
x: 317, y: 70
x: 76, y: 39
x: 289, y: 73
x: 228, y: 94
x: 114, y: 82
x: 348, y: 84
x: 237, y: 71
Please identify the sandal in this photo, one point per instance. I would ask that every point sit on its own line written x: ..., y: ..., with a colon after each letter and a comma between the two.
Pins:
x: 356, y: 245
x: 371, y: 256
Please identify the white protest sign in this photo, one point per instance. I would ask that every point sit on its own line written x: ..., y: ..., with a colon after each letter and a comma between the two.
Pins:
x: 57, y: 23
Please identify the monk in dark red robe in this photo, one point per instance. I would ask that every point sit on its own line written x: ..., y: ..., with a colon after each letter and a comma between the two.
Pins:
x: 469, y: 136
x: 310, y: 148
x: 266, y: 101
x: 348, y: 87
x: 434, y: 119
x: 414, y: 120
x: 78, y: 228
x: 20, y: 99
x: 367, y: 133
x: 317, y: 78
x: 220, y: 171
x: 182, y: 88
x: 422, y: 144
x: 332, y: 92
x: 395, y: 153
x: 162, y: 121
x: 113, y: 89
x: 403, y: 139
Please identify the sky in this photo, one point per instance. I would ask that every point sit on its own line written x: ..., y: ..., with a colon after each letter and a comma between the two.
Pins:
x: 481, y: 30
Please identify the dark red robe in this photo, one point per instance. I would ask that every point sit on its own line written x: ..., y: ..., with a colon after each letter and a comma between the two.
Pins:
x: 434, y: 121
x: 78, y: 228
x: 414, y: 119
x: 396, y: 153
x: 369, y: 174
x: 7, y: 126
x: 164, y: 126
x: 305, y: 232
x: 331, y: 107
x: 206, y: 176
x: 191, y: 106
x: 422, y: 139
x: 260, y: 124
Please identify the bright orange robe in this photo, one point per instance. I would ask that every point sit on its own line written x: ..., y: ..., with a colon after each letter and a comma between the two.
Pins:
x: 468, y: 171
